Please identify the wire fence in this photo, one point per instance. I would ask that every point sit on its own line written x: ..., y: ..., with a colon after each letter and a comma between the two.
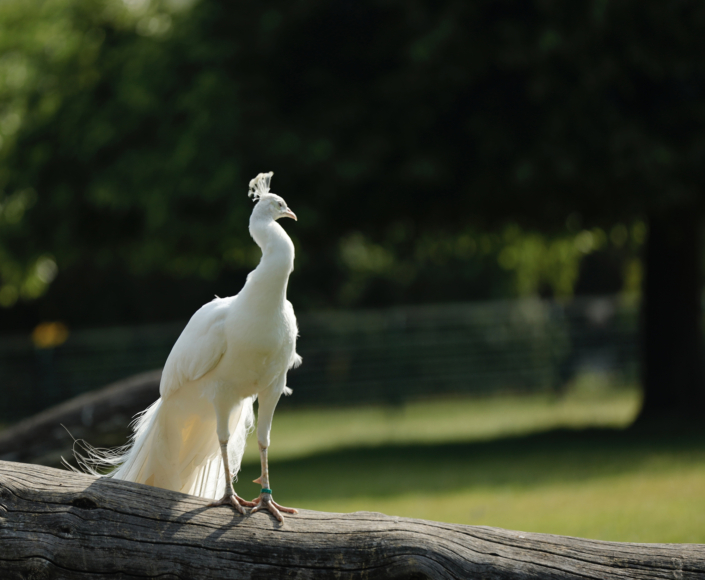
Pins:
x: 357, y: 357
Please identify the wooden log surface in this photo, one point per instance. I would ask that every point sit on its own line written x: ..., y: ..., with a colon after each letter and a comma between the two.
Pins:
x: 58, y: 524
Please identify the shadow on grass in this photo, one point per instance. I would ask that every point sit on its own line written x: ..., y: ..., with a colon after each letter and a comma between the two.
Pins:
x: 560, y: 456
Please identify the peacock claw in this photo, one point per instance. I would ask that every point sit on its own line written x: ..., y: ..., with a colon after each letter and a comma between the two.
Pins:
x: 234, y: 500
x: 265, y: 500
x: 244, y: 502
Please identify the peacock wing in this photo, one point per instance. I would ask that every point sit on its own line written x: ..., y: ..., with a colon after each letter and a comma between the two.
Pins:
x: 199, y: 348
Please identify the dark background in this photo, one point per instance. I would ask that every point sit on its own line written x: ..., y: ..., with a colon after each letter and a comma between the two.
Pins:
x: 433, y: 151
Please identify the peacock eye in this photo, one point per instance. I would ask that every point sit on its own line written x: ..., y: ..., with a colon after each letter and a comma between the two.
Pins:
x: 281, y: 205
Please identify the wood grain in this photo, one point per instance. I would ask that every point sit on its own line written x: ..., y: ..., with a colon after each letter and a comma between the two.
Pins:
x: 58, y: 524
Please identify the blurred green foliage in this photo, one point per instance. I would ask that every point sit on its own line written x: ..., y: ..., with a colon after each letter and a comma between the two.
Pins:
x: 422, y: 144
x: 511, y: 261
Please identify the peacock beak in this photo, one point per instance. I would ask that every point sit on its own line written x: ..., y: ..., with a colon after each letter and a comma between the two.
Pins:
x: 291, y: 214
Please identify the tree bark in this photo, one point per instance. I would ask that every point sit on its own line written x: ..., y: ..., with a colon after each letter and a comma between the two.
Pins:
x: 672, y: 359
x: 58, y: 524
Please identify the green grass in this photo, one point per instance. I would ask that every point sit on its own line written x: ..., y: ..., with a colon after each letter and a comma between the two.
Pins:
x: 535, y: 463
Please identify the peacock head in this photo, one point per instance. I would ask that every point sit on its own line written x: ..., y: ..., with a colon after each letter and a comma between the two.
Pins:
x: 269, y: 204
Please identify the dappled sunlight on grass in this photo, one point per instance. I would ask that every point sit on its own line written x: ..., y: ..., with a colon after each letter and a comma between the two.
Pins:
x: 544, y: 464
x: 297, y: 433
x: 653, y: 503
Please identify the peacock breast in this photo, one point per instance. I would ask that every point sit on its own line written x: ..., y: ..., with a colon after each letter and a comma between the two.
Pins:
x: 258, y: 350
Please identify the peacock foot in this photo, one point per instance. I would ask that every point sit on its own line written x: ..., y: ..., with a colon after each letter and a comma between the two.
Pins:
x: 234, y: 500
x: 265, y: 501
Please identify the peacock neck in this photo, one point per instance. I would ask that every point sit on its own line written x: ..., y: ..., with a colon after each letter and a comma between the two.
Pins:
x: 266, y: 285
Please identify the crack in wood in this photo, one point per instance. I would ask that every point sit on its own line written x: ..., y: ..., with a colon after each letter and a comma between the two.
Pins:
x: 93, y: 528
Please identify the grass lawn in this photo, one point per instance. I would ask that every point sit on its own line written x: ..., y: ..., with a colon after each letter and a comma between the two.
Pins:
x: 533, y: 463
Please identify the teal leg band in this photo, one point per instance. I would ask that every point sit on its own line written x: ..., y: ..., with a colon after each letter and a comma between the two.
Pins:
x: 265, y: 490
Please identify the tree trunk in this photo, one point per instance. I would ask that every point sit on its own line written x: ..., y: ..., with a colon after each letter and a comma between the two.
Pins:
x: 57, y: 524
x: 672, y: 363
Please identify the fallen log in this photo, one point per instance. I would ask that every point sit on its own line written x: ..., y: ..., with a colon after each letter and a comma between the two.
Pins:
x: 101, y: 417
x: 58, y: 524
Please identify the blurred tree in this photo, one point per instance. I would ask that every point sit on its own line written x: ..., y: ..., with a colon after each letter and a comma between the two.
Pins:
x: 131, y: 128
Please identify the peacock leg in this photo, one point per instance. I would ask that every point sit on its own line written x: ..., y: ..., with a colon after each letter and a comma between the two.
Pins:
x: 267, y: 403
x: 223, y: 429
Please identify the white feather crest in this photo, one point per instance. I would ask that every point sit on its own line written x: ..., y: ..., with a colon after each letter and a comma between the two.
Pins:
x: 259, y: 186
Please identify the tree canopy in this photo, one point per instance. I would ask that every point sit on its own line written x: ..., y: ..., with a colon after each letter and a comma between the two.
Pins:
x: 396, y: 130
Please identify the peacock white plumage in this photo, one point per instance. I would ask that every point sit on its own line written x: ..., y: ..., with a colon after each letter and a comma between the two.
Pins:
x: 232, y: 351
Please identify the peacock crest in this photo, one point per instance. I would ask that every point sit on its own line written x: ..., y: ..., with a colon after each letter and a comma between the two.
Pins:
x: 259, y: 186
